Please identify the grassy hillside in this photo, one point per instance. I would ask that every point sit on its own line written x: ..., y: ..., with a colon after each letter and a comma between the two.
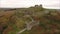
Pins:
x: 13, y: 20
x: 49, y: 24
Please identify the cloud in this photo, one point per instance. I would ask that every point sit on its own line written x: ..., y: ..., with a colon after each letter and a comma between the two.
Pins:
x: 28, y: 3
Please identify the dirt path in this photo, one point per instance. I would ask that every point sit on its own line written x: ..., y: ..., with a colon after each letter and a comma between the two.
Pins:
x: 21, y: 31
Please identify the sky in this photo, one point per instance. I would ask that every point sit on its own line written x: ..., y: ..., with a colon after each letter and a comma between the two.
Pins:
x: 54, y: 4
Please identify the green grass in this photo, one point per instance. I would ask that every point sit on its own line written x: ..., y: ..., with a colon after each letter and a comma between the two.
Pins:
x: 16, y: 30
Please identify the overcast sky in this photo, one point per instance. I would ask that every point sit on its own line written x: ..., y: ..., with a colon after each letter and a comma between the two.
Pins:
x: 28, y: 3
